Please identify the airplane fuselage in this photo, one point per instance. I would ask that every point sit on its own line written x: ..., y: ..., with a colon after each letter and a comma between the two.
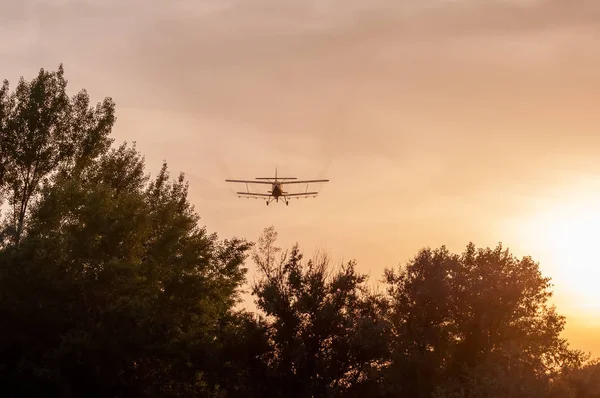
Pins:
x: 277, y: 190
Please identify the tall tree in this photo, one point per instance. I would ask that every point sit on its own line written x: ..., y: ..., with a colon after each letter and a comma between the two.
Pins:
x: 117, y: 290
x: 108, y: 284
x: 42, y: 131
x: 325, y: 326
x: 4, y: 137
x: 461, y: 318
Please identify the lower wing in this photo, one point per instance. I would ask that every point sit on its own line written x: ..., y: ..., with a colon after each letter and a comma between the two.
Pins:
x: 252, y: 195
x: 299, y: 195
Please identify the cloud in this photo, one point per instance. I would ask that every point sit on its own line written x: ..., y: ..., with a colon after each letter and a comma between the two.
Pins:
x: 501, y: 81
x: 262, y: 65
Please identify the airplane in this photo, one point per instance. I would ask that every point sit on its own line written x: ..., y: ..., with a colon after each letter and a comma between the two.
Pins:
x: 276, y: 191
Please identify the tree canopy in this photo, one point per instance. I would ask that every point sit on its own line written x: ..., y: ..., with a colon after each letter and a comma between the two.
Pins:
x: 459, y: 319
x: 108, y: 283
x: 324, y: 326
x: 110, y: 286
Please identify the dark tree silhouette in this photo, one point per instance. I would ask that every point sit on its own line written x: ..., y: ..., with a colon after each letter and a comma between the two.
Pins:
x: 579, y: 382
x: 460, y: 319
x: 325, y: 326
x: 42, y: 131
x: 114, y: 289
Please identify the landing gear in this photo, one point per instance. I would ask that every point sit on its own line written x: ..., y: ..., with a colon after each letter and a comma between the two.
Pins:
x: 269, y: 200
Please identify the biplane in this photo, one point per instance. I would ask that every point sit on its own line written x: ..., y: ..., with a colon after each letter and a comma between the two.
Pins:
x: 277, y: 188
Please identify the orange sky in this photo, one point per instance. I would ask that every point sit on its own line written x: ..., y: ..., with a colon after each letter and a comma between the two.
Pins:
x: 438, y: 122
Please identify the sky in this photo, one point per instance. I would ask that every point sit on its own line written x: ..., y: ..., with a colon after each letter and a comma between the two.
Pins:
x: 438, y: 122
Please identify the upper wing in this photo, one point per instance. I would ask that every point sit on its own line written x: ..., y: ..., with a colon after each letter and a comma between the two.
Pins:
x: 303, y: 182
x: 278, y: 178
x: 250, y: 181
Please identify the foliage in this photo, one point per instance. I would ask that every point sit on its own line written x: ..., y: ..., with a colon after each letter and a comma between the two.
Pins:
x: 579, y: 382
x: 323, y: 324
x: 467, y: 321
x: 114, y: 289
x: 42, y: 131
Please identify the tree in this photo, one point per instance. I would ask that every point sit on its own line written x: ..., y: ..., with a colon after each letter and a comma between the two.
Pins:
x: 44, y: 131
x: 4, y: 138
x: 112, y: 288
x: 116, y: 289
x: 579, y: 382
x: 462, y: 320
x: 324, y: 325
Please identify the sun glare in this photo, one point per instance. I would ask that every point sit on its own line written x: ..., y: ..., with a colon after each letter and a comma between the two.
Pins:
x: 567, y: 235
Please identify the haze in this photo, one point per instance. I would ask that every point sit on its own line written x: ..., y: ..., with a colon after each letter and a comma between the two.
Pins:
x: 437, y: 122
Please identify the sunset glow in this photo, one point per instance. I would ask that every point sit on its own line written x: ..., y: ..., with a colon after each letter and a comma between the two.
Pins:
x: 567, y: 235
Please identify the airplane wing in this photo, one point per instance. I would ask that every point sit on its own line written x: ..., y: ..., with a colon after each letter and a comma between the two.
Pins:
x: 303, y: 182
x: 250, y: 181
x: 278, y: 178
x: 296, y: 195
x: 252, y: 194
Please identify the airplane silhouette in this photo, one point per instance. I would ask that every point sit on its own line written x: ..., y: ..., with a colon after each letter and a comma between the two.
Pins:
x: 277, y: 190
